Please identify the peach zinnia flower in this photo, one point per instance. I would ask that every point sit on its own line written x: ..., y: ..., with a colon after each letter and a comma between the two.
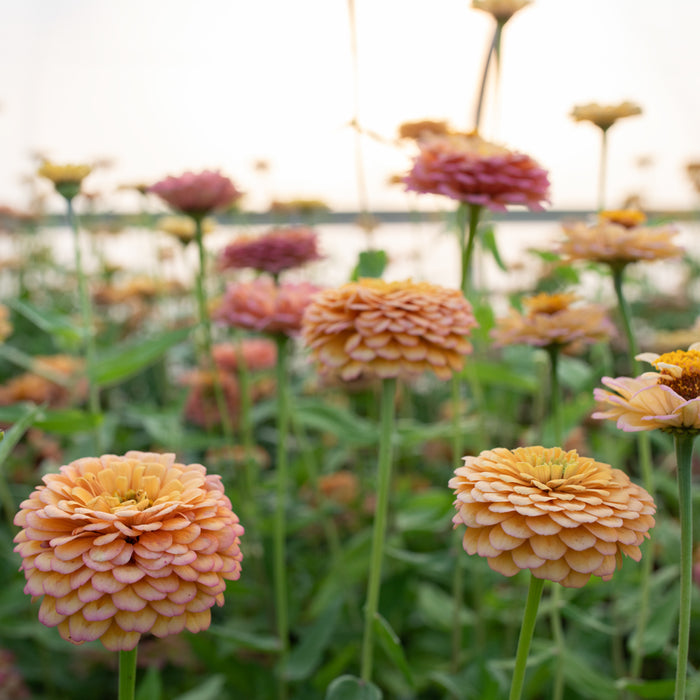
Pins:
x: 262, y: 306
x: 667, y: 399
x: 563, y: 517
x: 604, y: 116
x: 619, y: 238
x: 277, y: 250
x: 469, y: 169
x: 197, y: 194
x: 389, y: 329
x: 124, y: 546
x: 551, y: 321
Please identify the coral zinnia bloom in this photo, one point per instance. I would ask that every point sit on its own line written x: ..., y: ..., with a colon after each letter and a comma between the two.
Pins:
x: 551, y: 321
x: 469, y: 169
x: 257, y: 354
x: 389, y: 329
x: 262, y: 306
x: 502, y: 10
x: 125, y: 546
x: 197, y: 194
x: 668, y: 399
x: 604, y: 116
x: 619, y: 238
x: 275, y: 251
x: 563, y: 517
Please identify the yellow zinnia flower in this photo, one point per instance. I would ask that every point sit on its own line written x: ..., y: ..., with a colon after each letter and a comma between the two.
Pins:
x: 66, y: 178
x: 604, y: 116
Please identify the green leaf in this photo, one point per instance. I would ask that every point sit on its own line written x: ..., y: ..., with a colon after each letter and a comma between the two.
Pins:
x: 488, y: 240
x: 150, y: 687
x: 22, y: 423
x: 306, y: 656
x: 649, y: 689
x: 64, y: 421
x: 209, y: 690
x: 248, y: 640
x: 125, y: 360
x: 352, y: 688
x: 583, y: 676
x: 371, y: 263
x: 498, y: 374
x: 391, y: 644
x: 57, y: 325
x: 662, y: 624
x: 338, y: 421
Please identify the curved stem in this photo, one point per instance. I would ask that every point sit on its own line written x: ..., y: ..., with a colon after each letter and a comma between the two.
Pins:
x: 527, y: 628
x: 88, y: 325
x: 127, y: 674
x: 380, y: 520
x: 467, y: 246
x: 280, y: 521
x: 485, y: 73
x: 618, y: 275
x: 684, y: 452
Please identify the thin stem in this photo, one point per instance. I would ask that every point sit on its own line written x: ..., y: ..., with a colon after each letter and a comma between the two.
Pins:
x: 457, y: 572
x: 380, y: 520
x: 684, y: 453
x: 555, y: 395
x: 280, y: 524
x: 127, y: 674
x: 603, y: 169
x: 88, y: 325
x: 485, y: 73
x: 527, y: 628
x: 467, y: 246
x: 618, y: 275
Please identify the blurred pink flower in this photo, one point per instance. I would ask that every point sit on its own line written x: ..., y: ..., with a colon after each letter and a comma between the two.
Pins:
x: 469, y: 169
x: 275, y: 251
x: 257, y: 353
x: 201, y: 406
x: 197, y: 194
x: 262, y: 306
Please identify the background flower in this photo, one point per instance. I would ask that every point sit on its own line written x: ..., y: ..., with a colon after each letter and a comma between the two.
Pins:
x: 197, y: 194
x: 257, y: 354
x: 563, y: 517
x: 388, y: 329
x: 604, y: 116
x: 124, y: 546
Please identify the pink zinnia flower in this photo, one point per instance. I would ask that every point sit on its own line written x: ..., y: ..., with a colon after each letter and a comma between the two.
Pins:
x: 201, y: 406
x: 257, y: 354
x: 197, y: 194
x: 262, y: 306
x: 275, y: 251
x: 124, y: 546
x: 467, y: 168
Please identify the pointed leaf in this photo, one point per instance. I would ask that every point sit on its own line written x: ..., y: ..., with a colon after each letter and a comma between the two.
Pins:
x: 390, y: 642
x: 55, y: 324
x: 150, y: 687
x: 488, y: 240
x: 371, y: 263
x: 352, y: 688
x: 210, y: 689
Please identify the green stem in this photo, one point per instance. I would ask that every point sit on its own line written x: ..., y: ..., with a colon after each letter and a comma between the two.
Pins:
x: 88, y: 325
x: 684, y: 453
x: 555, y: 395
x: 527, y: 628
x: 280, y: 525
x: 603, y: 169
x: 380, y: 520
x: 127, y: 674
x: 457, y: 572
x: 485, y: 73
x: 467, y: 239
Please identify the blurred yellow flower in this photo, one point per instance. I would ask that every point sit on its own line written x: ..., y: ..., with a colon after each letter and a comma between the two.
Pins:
x: 66, y: 178
x: 604, y: 116
x: 183, y: 227
x: 502, y: 10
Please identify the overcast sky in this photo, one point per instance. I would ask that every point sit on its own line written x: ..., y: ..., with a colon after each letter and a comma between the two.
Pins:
x: 163, y: 86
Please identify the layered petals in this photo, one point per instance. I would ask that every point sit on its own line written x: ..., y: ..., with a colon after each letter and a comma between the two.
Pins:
x: 197, y: 194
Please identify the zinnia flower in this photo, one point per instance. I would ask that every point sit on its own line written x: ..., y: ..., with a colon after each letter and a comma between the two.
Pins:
x: 502, y: 10
x: 619, y: 238
x: 604, y: 116
x: 563, y: 517
x: 277, y: 250
x: 201, y: 406
x: 389, y: 329
x: 66, y: 178
x: 667, y: 399
x: 183, y: 227
x: 197, y: 194
x: 421, y: 129
x: 124, y: 546
x: 467, y: 168
x: 262, y: 306
x: 552, y: 321
x: 257, y: 353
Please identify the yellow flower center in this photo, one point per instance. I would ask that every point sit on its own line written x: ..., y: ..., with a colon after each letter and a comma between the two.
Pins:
x: 623, y: 217
x: 549, y: 303
x: 685, y: 381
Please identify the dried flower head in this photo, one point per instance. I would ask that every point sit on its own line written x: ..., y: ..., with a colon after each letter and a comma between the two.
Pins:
x: 619, y: 238
x: 277, y: 250
x: 562, y: 516
x: 66, y: 178
x: 552, y: 321
x: 120, y: 546
x: 183, y: 227
x: 667, y: 399
x: 262, y: 306
x: 502, y: 10
x: 469, y: 169
x: 389, y: 329
x: 604, y: 116
x: 197, y: 194
x: 257, y: 354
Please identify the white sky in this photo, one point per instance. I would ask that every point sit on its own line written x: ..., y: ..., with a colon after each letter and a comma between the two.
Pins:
x: 163, y: 86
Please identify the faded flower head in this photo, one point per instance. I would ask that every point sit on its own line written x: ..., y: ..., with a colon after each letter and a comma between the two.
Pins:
x: 120, y: 546
x: 604, y: 116
x: 667, y: 399
x: 552, y: 321
x: 469, y: 169
x: 502, y: 10
x: 562, y: 516
x: 257, y: 354
x: 183, y: 227
x: 389, y: 329
x: 262, y: 306
x: 66, y: 178
x: 277, y: 250
x: 619, y: 238
x: 197, y: 194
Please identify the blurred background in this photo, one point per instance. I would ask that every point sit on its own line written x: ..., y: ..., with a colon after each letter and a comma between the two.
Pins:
x: 264, y: 91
